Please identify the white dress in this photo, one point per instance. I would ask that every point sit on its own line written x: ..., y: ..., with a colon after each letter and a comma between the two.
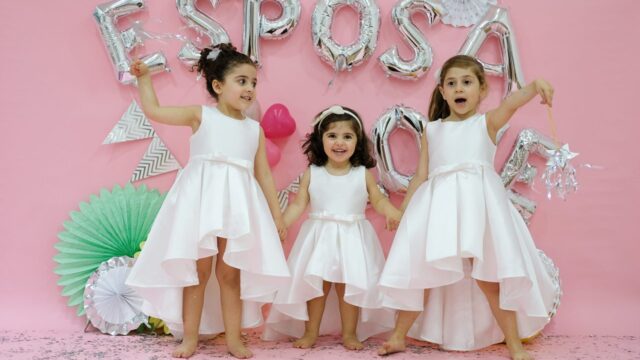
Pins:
x: 460, y: 226
x: 339, y: 245
x: 215, y: 195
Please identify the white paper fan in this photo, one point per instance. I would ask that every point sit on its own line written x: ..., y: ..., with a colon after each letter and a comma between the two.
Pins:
x: 111, y: 305
x: 465, y: 12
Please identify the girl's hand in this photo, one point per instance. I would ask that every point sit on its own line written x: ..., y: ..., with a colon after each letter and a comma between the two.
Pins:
x: 138, y: 68
x: 282, y: 230
x: 393, y: 220
x: 545, y: 90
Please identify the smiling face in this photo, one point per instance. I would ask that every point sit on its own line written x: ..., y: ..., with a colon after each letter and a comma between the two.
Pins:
x: 339, y: 142
x: 462, y: 91
x: 238, y: 90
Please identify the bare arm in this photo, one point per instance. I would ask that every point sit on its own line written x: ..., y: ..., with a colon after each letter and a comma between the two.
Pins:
x: 422, y: 172
x: 264, y: 178
x: 499, y: 116
x: 170, y: 115
x: 381, y: 204
x: 297, y: 207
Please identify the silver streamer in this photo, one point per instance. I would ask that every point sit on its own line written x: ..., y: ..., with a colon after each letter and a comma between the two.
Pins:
x: 189, y: 54
x: 560, y: 175
x: 118, y: 45
x: 157, y: 160
x: 398, y: 117
x: 412, y: 69
x: 133, y: 125
x: 111, y: 306
x: 256, y: 25
x: 345, y: 57
x: 496, y: 23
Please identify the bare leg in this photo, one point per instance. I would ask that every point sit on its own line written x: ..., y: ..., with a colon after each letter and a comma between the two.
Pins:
x: 349, y: 318
x: 405, y: 320
x: 506, y: 320
x: 229, y: 280
x: 315, y: 308
x: 192, y: 302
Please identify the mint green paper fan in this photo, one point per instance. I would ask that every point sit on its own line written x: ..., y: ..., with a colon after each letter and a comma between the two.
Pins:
x: 112, y: 224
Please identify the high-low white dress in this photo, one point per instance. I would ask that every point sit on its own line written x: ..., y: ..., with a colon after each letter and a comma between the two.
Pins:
x: 459, y: 226
x: 215, y: 195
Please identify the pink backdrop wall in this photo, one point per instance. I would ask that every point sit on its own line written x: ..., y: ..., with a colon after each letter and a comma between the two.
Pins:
x: 59, y: 99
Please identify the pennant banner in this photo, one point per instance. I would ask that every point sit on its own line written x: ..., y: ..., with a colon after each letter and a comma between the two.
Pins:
x: 133, y: 125
x: 157, y: 160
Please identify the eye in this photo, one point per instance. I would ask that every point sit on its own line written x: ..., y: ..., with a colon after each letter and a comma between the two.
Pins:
x: 348, y: 136
x: 450, y: 83
x: 468, y: 82
x: 242, y: 81
x: 331, y: 136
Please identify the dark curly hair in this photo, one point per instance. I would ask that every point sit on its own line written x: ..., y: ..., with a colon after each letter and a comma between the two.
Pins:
x: 218, y: 68
x: 314, y: 150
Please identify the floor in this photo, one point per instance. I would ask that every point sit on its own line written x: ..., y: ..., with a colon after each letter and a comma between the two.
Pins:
x: 93, y: 345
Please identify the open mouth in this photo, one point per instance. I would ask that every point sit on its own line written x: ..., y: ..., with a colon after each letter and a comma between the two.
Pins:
x: 460, y: 101
x: 246, y: 97
x: 340, y: 152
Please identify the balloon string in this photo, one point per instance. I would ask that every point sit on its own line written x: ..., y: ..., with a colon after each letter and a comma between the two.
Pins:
x: 552, y: 125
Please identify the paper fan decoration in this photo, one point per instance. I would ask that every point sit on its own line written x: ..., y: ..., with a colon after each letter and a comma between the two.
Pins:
x: 113, y: 307
x: 465, y: 12
x: 112, y: 224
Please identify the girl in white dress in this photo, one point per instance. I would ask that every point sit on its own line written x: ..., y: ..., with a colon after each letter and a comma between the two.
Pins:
x: 462, y: 252
x: 218, y: 216
x: 336, y: 245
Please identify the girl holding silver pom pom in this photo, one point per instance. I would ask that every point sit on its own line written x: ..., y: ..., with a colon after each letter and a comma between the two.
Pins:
x: 463, y: 270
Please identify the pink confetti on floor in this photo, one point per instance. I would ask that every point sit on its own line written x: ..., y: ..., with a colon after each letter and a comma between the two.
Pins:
x: 39, y: 345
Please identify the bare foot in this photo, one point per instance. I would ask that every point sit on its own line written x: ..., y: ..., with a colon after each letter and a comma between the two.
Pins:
x: 350, y: 342
x: 306, y: 341
x: 237, y: 349
x: 518, y: 352
x: 185, y: 349
x: 393, y: 345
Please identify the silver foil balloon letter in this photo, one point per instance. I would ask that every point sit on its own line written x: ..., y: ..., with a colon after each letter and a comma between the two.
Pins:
x: 189, y: 53
x: 256, y: 25
x: 496, y: 22
x: 517, y: 168
x: 345, y: 57
x: 394, y: 118
x: 119, y: 44
x: 412, y: 69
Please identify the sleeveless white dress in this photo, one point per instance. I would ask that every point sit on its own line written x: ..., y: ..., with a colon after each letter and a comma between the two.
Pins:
x: 215, y: 195
x: 339, y: 245
x: 459, y: 226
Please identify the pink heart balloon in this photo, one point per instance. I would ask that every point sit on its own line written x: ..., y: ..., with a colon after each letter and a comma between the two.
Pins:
x: 273, y: 152
x: 277, y: 122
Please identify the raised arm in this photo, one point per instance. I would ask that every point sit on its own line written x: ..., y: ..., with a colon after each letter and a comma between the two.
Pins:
x: 299, y: 204
x: 265, y: 180
x: 171, y: 115
x: 381, y: 204
x: 499, y: 116
x: 422, y: 171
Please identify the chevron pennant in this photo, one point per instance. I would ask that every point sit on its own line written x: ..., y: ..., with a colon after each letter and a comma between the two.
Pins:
x: 283, y: 195
x: 157, y: 160
x: 133, y: 125
x: 283, y: 199
x: 295, y: 184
